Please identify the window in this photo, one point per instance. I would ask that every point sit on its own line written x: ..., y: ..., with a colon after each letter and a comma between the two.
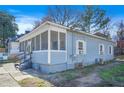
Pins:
x: 44, y: 40
x: 101, y: 49
x: 62, y: 41
x: 38, y: 42
x: 81, y: 47
x: 110, y: 50
x: 33, y: 44
x: 54, y: 40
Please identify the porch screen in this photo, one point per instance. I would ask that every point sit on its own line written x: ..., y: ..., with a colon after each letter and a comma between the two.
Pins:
x: 44, y: 40
x: 21, y: 46
x: 38, y: 42
x: 32, y: 44
x: 54, y: 40
x: 62, y: 41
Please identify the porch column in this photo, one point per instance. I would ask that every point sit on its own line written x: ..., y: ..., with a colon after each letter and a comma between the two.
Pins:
x: 49, y: 53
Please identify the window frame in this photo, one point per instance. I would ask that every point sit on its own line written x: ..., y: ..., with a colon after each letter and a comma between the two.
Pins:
x: 59, y: 50
x: 41, y: 47
x: 51, y: 48
x: 111, y: 50
x: 49, y: 44
x: 83, y: 47
x: 37, y: 45
x: 61, y: 41
x: 103, y: 49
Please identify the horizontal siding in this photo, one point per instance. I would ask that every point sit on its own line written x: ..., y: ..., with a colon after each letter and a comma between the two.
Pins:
x: 92, y: 48
x: 58, y: 57
x: 40, y: 57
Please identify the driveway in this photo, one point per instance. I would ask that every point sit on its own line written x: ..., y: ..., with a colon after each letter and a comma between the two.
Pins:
x: 6, y: 80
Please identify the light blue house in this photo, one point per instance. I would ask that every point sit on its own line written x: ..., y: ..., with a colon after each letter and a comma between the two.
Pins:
x: 56, y: 48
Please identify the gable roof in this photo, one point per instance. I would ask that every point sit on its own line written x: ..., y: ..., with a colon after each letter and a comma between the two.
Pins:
x: 67, y: 28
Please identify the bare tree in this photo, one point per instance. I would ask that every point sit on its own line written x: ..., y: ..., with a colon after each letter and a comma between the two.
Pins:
x: 120, y: 31
x: 36, y: 24
x: 63, y: 15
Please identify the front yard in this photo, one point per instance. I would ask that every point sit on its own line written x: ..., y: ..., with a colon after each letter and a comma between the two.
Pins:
x: 109, y: 74
x: 113, y: 76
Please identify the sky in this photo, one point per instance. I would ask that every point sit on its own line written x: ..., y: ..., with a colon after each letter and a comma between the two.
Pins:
x: 26, y: 15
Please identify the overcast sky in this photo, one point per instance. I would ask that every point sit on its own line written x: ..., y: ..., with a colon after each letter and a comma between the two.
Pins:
x: 27, y: 15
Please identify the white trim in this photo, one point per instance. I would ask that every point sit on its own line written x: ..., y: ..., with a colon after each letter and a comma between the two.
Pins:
x: 50, y: 51
x: 111, y: 50
x: 49, y: 48
x: 103, y: 50
x: 40, y: 51
x: 58, y: 41
x: 58, y: 51
x: 40, y: 42
x: 64, y: 27
x: 84, y: 46
x: 66, y: 46
x: 35, y: 47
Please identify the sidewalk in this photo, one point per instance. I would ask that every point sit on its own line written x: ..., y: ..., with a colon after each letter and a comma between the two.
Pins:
x: 6, y: 80
x: 15, y: 73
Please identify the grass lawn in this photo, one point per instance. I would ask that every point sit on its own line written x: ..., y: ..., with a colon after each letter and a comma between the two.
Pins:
x: 34, y: 82
x: 113, y: 76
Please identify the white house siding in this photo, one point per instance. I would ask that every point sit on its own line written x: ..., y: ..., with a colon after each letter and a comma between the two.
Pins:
x: 49, y: 61
x: 92, y: 49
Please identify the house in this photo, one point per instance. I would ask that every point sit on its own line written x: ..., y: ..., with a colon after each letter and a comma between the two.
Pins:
x: 57, y: 48
x: 119, y: 49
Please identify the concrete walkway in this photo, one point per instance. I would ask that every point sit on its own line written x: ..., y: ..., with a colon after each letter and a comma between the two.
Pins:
x: 6, y: 80
x: 9, y: 75
x: 15, y: 73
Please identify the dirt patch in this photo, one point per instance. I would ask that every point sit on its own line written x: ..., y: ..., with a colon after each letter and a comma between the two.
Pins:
x: 34, y: 82
x: 85, y: 77
x: 87, y: 81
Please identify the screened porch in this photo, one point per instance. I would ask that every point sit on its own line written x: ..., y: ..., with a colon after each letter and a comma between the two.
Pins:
x: 48, y: 46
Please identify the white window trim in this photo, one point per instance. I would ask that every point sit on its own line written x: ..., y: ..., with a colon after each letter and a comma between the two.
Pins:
x: 84, y: 46
x: 103, y: 49
x: 111, y: 50
x: 58, y: 50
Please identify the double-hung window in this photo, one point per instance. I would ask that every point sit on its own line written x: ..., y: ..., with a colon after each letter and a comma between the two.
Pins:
x: 101, y: 49
x: 81, y: 47
x: 110, y: 50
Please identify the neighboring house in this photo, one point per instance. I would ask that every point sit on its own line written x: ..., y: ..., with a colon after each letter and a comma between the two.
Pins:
x: 57, y: 48
x: 13, y: 48
x: 119, y: 49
